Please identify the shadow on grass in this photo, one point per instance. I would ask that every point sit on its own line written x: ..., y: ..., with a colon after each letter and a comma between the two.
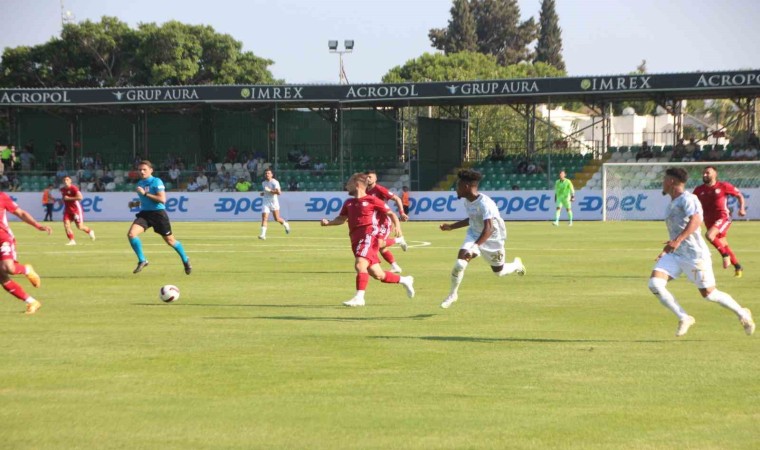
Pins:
x: 514, y: 339
x: 218, y: 305
x: 327, y: 319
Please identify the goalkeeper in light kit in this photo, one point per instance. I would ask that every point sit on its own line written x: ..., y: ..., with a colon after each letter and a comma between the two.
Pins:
x: 564, y: 195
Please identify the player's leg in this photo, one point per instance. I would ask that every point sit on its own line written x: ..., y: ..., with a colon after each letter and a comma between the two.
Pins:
x: 702, y: 276
x: 264, y: 218
x: 28, y: 271
x: 569, y: 212
x: 377, y: 272
x: 67, y: 229
x: 385, y: 243
x: 8, y: 267
x: 493, y: 252
x: 135, y: 230
x: 361, y: 266
x: 666, y: 269
x: 280, y: 220
x: 457, y: 275
x: 164, y: 228
x: 557, y: 213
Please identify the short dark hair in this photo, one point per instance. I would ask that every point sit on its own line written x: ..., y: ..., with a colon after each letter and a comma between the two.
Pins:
x: 712, y: 167
x: 470, y: 176
x: 678, y: 173
x: 367, y: 172
x: 145, y: 162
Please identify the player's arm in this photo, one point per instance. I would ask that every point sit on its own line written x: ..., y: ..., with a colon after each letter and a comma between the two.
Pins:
x: 396, y: 222
x: 695, y: 221
x: 740, y: 198
x: 400, y: 205
x: 26, y: 217
x: 455, y: 225
x: 340, y: 220
x: 572, y: 190
x: 159, y: 197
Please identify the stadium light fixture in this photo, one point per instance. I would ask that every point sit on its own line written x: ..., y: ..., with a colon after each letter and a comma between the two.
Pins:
x: 348, y: 47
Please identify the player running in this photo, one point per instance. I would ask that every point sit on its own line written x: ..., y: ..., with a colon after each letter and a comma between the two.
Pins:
x: 486, y: 234
x: 686, y: 252
x: 713, y: 195
x: 385, y: 226
x: 564, y: 195
x: 8, y: 263
x: 271, y: 204
x: 361, y: 213
x: 152, y: 194
x: 72, y: 210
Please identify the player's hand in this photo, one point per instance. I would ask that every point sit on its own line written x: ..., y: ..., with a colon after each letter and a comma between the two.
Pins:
x: 670, y: 247
x: 572, y: 198
x: 473, y: 251
x: 140, y: 190
x: 403, y: 217
x: 133, y: 204
x: 742, y: 212
x: 46, y: 229
x: 324, y: 222
x: 445, y: 227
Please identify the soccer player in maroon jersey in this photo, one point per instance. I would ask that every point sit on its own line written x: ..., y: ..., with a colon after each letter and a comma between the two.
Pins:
x: 72, y: 210
x: 8, y: 263
x: 713, y: 196
x: 386, y: 227
x: 362, y: 212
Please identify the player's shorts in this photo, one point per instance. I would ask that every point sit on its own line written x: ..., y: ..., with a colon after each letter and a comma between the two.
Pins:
x: 722, y: 225
x: 159, y: 220
x: 385, y: 227
x: 366, y: 246
x: 270, y: 205
x: 564, y: 203
x: 7, y: 247
x: 492, y: 251
x: 73, y: 214
x: 698, y: 271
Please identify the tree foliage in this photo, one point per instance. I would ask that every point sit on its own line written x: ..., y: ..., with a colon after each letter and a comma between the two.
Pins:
x: 549, y: 46
x: 498, y: 29
x: 110, y: 53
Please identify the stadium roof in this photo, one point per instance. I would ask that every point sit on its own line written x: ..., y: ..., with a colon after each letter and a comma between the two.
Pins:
x: 591, y: 89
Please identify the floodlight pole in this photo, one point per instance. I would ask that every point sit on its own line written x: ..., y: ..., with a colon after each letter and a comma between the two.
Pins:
x: 333, y: 46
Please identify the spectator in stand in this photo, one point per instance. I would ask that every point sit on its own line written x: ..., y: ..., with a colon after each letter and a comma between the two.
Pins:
x: 679, y: 151
x: 98, y: 162
x: 693, y: 152
x: 202, y: 181
x: 108, y: 176
x: 319, y: 167
x: 753, y: 141
x: 27, y: 159
x: 304, y: 162
x: 752, y: 154
x: 99, y: 186
x: 60, y: 150
x: 60, y: 174
x: 294, y: 155
x: 133, y: 175
x: 515, y: 187
x: 713, y: 155
x: 251, y: 164
x: 210, y: 167
x: 645, y: 151
x: 293, y: 185
x: 174, y: 174
x: 5, y: 183
x: 243, y: 185
x: 88, y: 160
x: 193, y: 186
x: 232, y: 154
x: 7, y: 155
x: 15, y: 183
x: 497, y: 153
x: 223, y: 178
x: 522, y: 166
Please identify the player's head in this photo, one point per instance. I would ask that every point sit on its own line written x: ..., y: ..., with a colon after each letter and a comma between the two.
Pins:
x: 357, y: 182
x: 371, y: 177
x: 710, y: 175
x: 674, y: 177
x: 562, y: 174
x: 268, y: 174
x: 467, y: 182
x: 67, y: 181
x: 145, y: 169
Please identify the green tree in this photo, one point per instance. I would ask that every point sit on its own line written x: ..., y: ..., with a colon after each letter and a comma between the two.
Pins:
x: 549, y: 47
x: 460, y: 36
x: 109, y: 53
x: 500, y: 32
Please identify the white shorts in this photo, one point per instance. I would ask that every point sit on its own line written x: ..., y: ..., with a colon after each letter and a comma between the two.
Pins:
x: 492, y: 250
x: 698, y: 271
x: 270, y: 205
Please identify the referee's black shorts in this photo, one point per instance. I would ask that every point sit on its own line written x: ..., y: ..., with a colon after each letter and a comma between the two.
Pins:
x: 159, y: 220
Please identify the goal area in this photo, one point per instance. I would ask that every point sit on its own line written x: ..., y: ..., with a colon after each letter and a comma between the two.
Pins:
x: 633, y: 191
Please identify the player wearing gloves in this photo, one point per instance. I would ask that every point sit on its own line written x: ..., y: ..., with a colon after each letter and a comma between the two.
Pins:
x: 486, y: 234
x: 564, y: 196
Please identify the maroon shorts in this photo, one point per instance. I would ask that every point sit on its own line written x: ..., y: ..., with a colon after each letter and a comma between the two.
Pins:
x: 366, y: 246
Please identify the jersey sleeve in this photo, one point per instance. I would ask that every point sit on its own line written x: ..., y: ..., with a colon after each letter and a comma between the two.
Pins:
x: 380, y: 205
x: 344, y: 209
x: 692, y: 206
x: 8, y: 204
x: 158, y: 184
x: 730, y: 189
x: 490, y: 211
x: 276, y: 185
x: 383, y: 193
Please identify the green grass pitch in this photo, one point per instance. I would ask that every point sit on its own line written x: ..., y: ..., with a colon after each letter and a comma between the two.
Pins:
x: 260, y: 353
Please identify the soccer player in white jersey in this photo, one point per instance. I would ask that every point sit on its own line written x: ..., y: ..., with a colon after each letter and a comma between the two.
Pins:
x: 486, y: 234
x: 271, y: 193
x: 686, y: 252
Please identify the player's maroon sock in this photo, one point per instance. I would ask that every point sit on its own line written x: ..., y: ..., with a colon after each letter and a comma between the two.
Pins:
x: 730, y: 254
x: 388, y: 256
x: 87, y: 230
x: 15, y: 290
x: 391, y: 277
x: 390, y: 242
x: 19, y: 269
x: 362, y: 279
x: 70, y: 236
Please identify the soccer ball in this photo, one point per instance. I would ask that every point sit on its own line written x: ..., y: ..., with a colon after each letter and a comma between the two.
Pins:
x: 169, y: 293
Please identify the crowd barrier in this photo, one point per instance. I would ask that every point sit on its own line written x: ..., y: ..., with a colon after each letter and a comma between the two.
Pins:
x: 234, y: 206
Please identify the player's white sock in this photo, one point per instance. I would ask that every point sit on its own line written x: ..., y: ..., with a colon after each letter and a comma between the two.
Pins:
x: 725, y: 301
x: 359, y: 295
x: 30, y: 299
x: 659, y: 289
x: 457, y: 274
x: 263, y: 231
